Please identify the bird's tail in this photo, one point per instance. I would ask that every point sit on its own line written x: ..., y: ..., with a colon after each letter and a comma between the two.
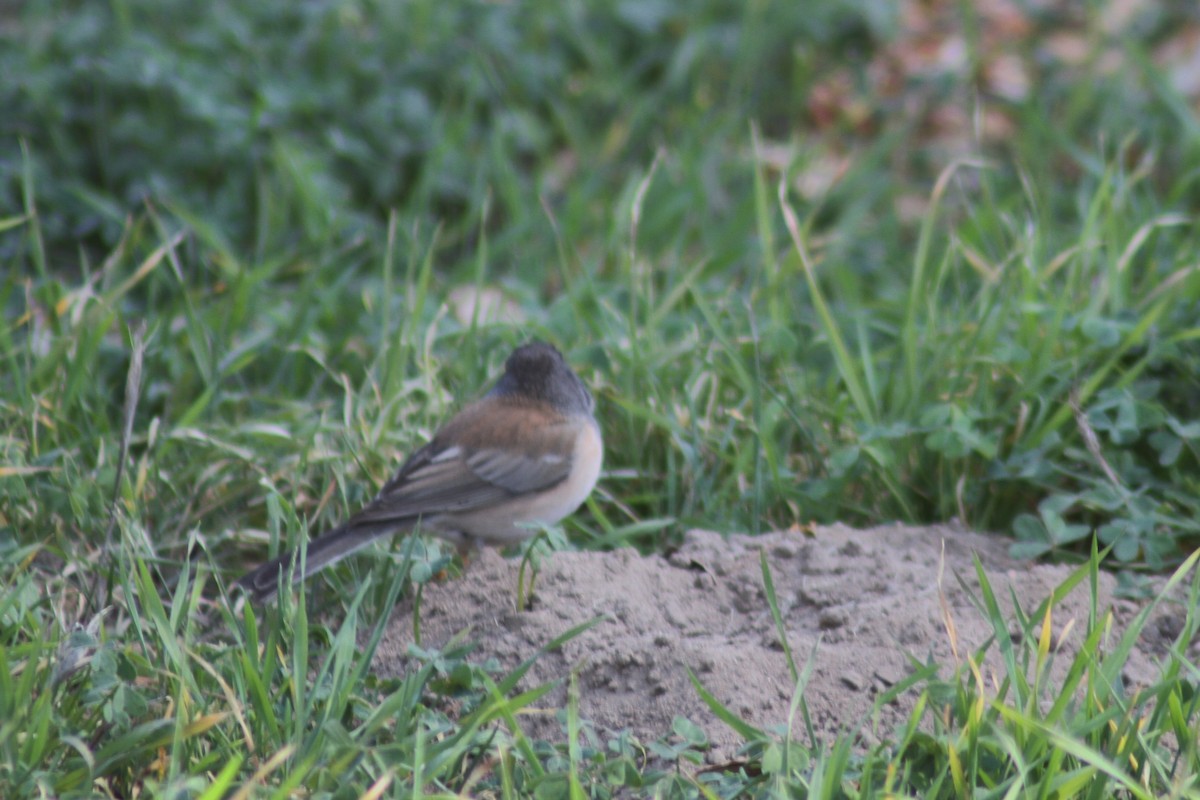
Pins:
x: 261, y: 584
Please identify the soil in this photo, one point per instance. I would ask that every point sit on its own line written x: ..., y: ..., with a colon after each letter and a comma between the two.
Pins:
x: 864, y: 605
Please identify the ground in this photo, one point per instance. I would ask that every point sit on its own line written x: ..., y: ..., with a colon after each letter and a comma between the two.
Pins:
x: 866, y: 602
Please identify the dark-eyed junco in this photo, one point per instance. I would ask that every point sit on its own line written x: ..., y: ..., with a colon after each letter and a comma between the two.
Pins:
x: 527, y: 453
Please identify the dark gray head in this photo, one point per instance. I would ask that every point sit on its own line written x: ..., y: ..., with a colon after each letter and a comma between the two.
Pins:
x: 539, y: 371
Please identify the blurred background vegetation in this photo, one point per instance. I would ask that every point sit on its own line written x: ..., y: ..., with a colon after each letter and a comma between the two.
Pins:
x: 305, y: 201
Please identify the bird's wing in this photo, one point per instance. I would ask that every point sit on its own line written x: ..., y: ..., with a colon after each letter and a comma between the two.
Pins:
x: 521, y: 451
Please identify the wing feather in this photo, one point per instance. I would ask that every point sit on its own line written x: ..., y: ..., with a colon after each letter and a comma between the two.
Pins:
x: 468, y: 467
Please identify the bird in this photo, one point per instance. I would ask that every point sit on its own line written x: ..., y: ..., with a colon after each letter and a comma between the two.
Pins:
x: 526, y: 454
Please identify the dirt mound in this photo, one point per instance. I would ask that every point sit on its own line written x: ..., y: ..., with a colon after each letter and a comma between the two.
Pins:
x: 868, y: 601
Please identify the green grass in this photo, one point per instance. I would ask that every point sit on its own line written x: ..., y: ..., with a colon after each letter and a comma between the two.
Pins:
x: 229, y: 238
